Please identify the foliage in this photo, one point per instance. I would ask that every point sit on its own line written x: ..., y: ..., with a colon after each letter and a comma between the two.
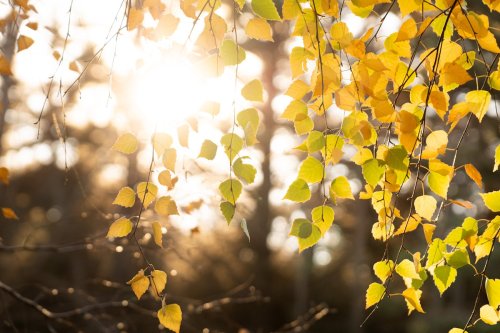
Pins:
x: 405, y: 110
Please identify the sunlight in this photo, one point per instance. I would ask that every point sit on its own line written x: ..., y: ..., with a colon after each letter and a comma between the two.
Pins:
x: 166, y: 93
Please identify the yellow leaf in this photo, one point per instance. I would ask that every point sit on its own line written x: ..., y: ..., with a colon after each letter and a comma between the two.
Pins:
x: 266, y: 9
x: 488, y: 315
x: 8, y: 213
x: 169, y: 159
x: 4, y: 175
x: 453, y: 75
x: 297, y: 89
x: 5, y: 68
x: 253, y: 91
x: 409, y: 225
x: 258, y: 28
x: 409, y: 6
x: 161, y: 141
x: 120, y: 228
x: 165, y: 179
x: 146, y: 192
x: 474, y: 174
x: 340, y: 188
x: 126, y: 143
x: 479, y: 102
x: 170, y: 316
x: 125, y: 197
x: 183, y: 135
x: 412, y: 298
x: 406, y: 269
x: 492, y: 200
x: 428, y: 231
x: 383, y: 269
x: 374, y: 294
x: 341, y: 36
x: 23, y: 42
x: 167, y: 24
x: 159, y: 280
x: 32, y: 25
x: 157, y: 234
x: 408, y: 30
x: 166, y: 206
x: 493, y: 292
x: 436, y: 143
x: 139, y: 284
x: 135, y: 18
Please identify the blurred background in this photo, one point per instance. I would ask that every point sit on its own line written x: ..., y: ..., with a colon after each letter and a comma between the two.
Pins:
x: 58, y: 120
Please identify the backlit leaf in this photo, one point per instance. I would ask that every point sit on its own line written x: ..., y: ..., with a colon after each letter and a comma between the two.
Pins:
x: 244, y: 171
x: 258, y: 28
x: 374, y: 294
x: 298, y: 191
x: 474, y: 174
x: 120, y: 228
x: 161, y: 141
x: 170, y: 316
x: 412, y: 298
x: 232, y: 144
x: 479, y: 102
x: 266, y: 9
x: 425, y: 206
x: 488, y: 315
x: 383, y: 269
x: 135, y: 18
x: 208, y: 150
x: 497, y: 158
x: 125, y: 198
x: 23, y: 42
x: 230, y: 190
x: 139, y: 284
x: 157, y: 234
x: 406, y: 269
x: 307, y: 233
x: 444, y: 276
x: 311, y: 170
x: 322, y: 217
x: 252, y: 91
x: 146, y: 192
x: 340, y: 188
x: 493, y: 292
x: 4, y: 175
x: 126, y: 143
x: 227, y: 209
x: 231, y: 54
x: 159, y: 280
x: 166, y: 206
x: 492, y: 200
x: 9, y: 213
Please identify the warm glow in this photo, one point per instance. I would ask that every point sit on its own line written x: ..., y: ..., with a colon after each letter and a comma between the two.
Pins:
x: 167, y: 92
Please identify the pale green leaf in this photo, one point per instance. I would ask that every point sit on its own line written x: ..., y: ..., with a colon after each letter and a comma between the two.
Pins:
x: 322, y: 216
x: 230, y: 190
x: 340, y: 188
x: 232, y: 144
x: 208, y: 150
x: 298, y: 191
x: 307, y: 233
x: 311, y: 170
x: 266, y: 9
x: 231, y: 54
x: 227, y: 209
x: 444, y: 276
x: 244, y: 171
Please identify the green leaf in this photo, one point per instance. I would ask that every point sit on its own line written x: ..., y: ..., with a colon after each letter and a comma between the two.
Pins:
x: 315, y: 141
x: 232, y: 144
x: 311, y: 170
x: 245, y: 172
x: 435, y: 253
x: 298, y: 191
x: 397, y: 158
x: 383, y: 269
x: 231, y: 54
x: 374, y: 294
x: 458, y: 258
x: 253, y: 91
x: 208, y: 150
x: 444, y: 276
x: 249, y: 120
x: 322, y: 217
x: 373, y: 170
x: 307, y: 233
x: 227, y: 209
x: 170, y: 316
x: 230, y: 190
x: 492, y: 200
x: 266, y: 9
x: 340, y: 188
x: 493, y: 292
